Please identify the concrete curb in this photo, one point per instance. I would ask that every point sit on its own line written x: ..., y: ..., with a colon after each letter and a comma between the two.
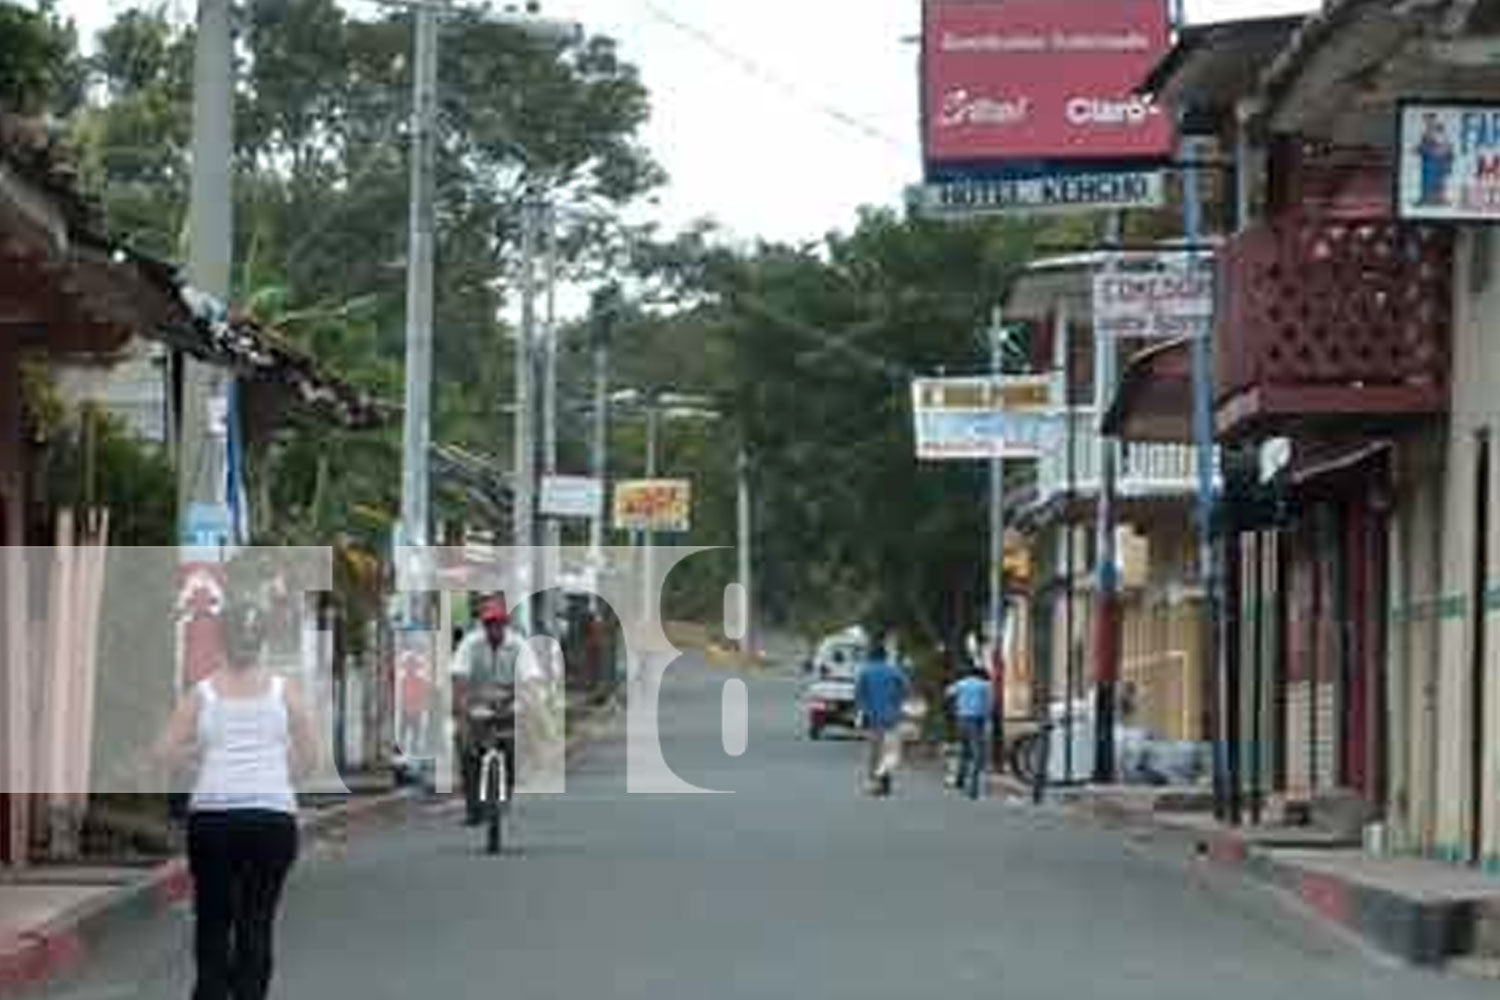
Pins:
x: 1413, y: 930
x: 31, y: 958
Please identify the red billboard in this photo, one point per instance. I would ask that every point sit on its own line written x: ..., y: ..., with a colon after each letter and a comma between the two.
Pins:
x: 1041, y: 80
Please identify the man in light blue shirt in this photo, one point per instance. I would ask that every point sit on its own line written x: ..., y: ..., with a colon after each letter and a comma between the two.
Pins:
x: 880, y: 693
x: 973, y: 700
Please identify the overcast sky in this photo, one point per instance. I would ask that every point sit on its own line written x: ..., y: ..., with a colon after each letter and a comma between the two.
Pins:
x: 779, y: 118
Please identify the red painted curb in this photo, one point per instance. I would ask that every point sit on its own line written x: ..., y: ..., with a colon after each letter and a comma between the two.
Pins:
x: 1327, y: 896
x: 1227, y: 849
x: 21, y: 957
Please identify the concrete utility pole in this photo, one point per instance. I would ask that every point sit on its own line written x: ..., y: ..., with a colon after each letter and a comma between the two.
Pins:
x: 525, y: 418
x: 605, y: 305
x: 417, y: 430
x: 201, y: 458
x: 551, y: 526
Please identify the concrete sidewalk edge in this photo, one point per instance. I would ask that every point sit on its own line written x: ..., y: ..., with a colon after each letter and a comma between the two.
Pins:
x: 31, y: 958
x: 1416, y: 931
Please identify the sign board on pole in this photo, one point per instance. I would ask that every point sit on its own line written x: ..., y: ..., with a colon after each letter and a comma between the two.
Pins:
x: 572, y: 496
x: 1041, y: 80
x: 1449, y: 162
x: 653, y: 505
x: 983, y: 418
x: 1056, y: 192
x: 1168, y: 295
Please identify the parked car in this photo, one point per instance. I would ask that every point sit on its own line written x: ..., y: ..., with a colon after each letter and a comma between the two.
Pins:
x: 829, y: 703
x: 828, y: 698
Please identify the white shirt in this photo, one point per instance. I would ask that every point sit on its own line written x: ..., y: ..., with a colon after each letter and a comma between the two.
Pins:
x: 477, y: 657
x: 246, y: 743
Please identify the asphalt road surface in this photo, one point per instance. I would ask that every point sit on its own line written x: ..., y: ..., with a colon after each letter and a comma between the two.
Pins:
x: 793, y: 886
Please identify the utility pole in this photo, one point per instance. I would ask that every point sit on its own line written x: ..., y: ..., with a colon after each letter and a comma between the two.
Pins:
x: 552, y: 527
x: 1046, y: 681
x: 202, y: 444
x: 1107, y: 611
x: 525, y: 417
x: 417, y: 424
x: 605, y: 305
x: 746, y: 532
x: 996, y: 616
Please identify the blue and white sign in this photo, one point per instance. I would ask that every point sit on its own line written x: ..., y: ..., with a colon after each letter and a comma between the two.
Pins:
x: 208, y: 526
x: 960, y: 419
x: 1449, y: 162
x: 1060, y: 192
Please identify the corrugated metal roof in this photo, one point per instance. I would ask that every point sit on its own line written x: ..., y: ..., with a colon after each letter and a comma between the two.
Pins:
x: 151, y: 298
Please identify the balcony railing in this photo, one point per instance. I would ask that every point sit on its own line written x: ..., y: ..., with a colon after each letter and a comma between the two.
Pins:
x: 1144, y: 470
x: 1331, y: 319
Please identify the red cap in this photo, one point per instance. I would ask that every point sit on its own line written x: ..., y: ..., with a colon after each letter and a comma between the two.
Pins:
x: 494, y: 611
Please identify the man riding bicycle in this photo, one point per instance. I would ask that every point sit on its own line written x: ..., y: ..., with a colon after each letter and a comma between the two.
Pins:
x: 484, y: 675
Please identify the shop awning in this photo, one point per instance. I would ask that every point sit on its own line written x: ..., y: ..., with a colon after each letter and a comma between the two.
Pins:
x: 1154, y: 400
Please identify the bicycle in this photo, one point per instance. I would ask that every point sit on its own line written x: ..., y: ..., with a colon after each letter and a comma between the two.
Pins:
x: 492, y: 722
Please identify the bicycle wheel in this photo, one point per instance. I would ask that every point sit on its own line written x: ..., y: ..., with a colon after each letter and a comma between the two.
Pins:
x: 1024, y: 754
x: 494, y: 800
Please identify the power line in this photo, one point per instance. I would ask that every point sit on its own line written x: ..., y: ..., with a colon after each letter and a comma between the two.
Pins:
x: 758, y: 71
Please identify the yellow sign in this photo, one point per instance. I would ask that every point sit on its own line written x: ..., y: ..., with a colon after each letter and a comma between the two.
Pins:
x: 992, y: 394
x: 653, y: 505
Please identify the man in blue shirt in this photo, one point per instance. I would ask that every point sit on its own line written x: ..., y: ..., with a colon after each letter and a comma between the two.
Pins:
x: 973, y: 701
x: 880, y: 693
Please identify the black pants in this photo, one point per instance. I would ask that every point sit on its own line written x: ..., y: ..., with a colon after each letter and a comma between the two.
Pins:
x: 239, y: 860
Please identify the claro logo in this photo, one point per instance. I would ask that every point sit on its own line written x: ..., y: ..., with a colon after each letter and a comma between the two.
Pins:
x: 1132, y: 112
x: 961, y: 107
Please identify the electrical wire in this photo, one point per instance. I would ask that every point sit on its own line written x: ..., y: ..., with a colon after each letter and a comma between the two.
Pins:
x: 754, y: 69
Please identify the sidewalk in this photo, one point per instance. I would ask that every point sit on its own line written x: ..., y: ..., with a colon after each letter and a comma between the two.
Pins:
x: 52, y: 918
x: 1421, y: 912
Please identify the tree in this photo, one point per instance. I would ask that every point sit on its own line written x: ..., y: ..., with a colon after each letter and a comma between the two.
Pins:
x: 814, y: 348
x: 40, y: 69
x: 322, y: 190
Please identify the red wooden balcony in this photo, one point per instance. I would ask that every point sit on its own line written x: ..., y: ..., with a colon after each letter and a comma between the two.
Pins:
x: 1333, y: 321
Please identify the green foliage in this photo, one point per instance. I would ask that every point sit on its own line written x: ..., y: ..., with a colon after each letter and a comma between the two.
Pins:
x: 813, y: 349
x: 322, y: 190
x: 93, y: 460
x: 39, y: 65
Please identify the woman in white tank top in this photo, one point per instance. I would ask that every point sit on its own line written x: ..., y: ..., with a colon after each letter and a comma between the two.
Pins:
x: 249, y: 734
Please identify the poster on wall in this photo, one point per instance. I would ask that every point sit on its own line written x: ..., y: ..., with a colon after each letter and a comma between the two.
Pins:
x: 1028, y: 81
x: 1449, y: 162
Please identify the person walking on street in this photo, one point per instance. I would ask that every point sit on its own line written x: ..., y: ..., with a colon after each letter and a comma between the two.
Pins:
x: 249, y: 733
x: 880, y: 692
x: 973, y: 701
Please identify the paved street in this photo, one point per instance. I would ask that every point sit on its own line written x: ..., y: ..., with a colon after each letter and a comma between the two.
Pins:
x: 792, y: 887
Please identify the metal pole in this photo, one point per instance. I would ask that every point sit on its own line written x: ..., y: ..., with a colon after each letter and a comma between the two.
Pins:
x: 996, y: 616
x: 1107, y: 610
x: 648, y: 556
x: 201, y: 462
x: 417, y: 429
x: 525, y: 436
x: 1203, y: 435
x: 1068, y: 552
x: 746, y: 555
